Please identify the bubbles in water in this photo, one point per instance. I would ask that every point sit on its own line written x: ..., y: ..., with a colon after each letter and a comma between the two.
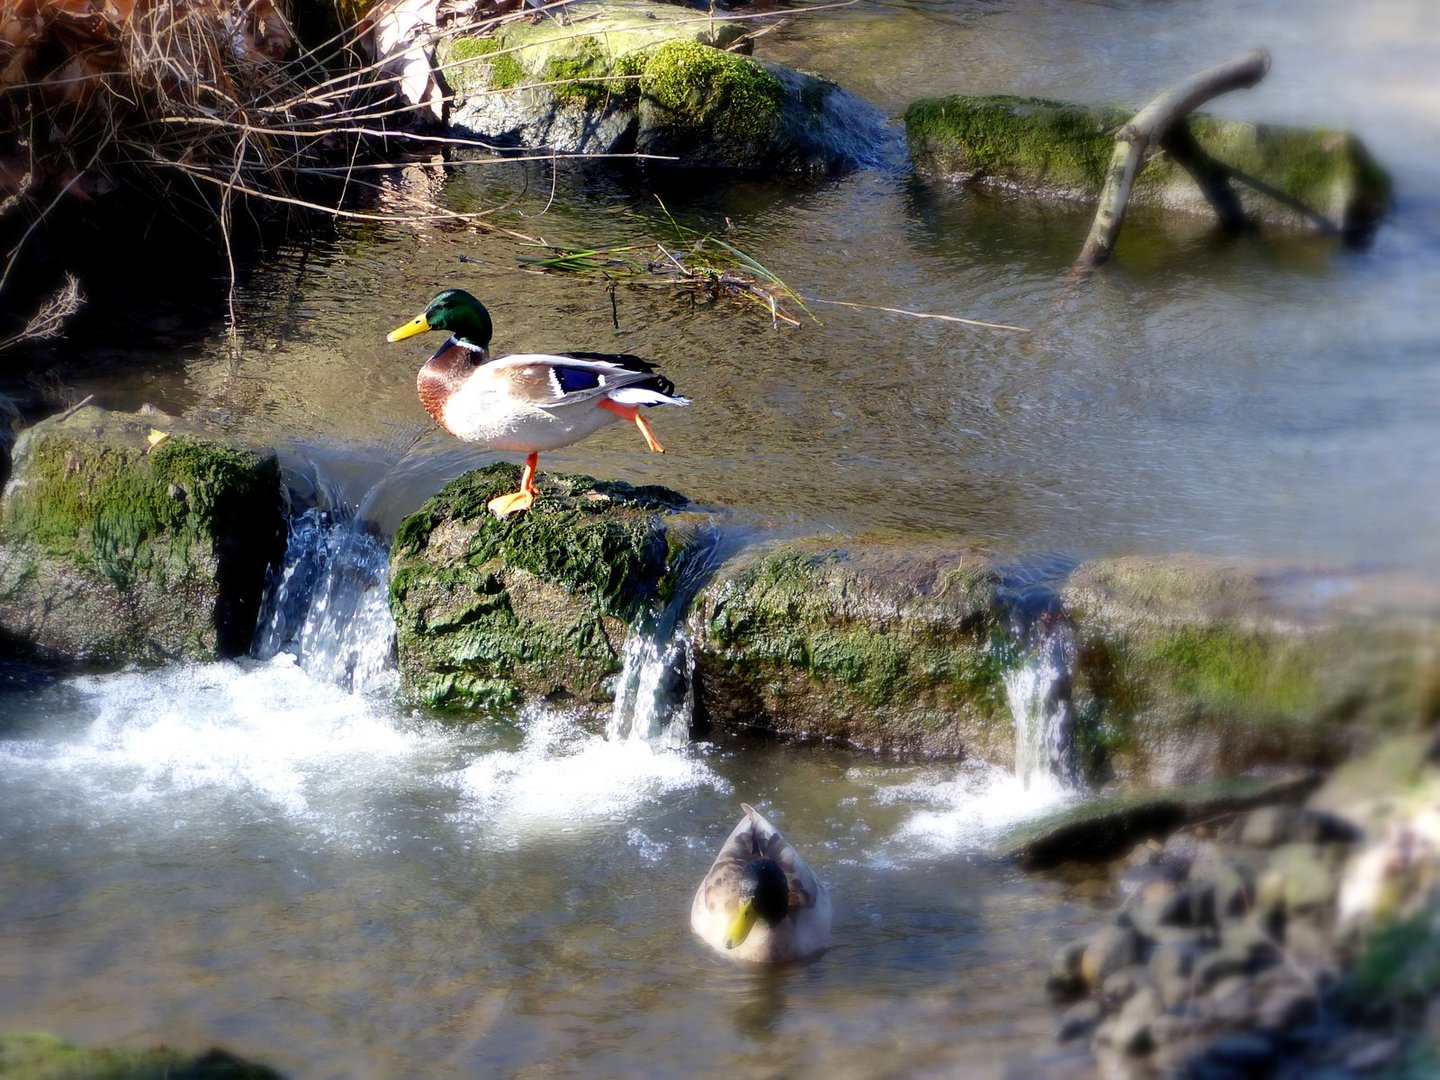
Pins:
x: 962, y: 809
x: 263, y: 730
x: 566, y: 778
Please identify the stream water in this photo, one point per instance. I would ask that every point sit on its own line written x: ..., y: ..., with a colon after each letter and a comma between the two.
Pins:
x: 271, y: 856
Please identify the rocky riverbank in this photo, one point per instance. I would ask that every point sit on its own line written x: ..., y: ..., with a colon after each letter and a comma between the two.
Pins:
x: 1292, y: 940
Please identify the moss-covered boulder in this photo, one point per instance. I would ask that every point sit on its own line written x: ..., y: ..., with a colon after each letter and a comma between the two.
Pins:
x: 1188, y: 668
x: 490, y: 613
x: 116, y: 548
x: 44, y: 1057
x: 626, y: 76
x: 897, y: 648
x: 1063, y: 150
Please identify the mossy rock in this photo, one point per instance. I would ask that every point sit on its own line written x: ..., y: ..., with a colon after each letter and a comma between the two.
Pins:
x: 625, y: 77
x: 491, y: 613
x: 1064, y: 150
x: 44, y: 1057
x: 895, y: 648
x: 113, y: 551
x: 1108, y: 827
x: 1188, y: 668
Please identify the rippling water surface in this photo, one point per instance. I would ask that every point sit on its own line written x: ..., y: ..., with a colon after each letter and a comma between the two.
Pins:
x: 243, y: 854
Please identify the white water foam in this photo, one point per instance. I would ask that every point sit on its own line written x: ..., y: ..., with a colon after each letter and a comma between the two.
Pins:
x: 564, y: 779
x: 965, y: 808
x: 264, y: 729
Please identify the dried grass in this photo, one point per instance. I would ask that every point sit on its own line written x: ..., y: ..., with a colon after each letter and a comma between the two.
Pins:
x: 191, y: 107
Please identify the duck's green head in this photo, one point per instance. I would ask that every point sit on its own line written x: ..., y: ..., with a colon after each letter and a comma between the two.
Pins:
x: 454, y: 310
x: 764, y: 895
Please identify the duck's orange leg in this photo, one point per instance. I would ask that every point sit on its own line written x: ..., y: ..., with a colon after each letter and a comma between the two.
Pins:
x: 502, y: 506
x: 632, y: 412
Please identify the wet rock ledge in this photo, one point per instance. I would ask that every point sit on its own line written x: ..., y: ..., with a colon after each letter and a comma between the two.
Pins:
x: 119, y: 546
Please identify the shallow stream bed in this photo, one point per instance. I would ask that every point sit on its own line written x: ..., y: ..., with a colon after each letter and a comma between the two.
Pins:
x: 243, y: 854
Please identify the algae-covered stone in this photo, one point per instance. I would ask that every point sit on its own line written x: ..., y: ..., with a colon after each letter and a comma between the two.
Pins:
x: 898, y: 648
x: 114, y: 550
x: 489, y: 613
x: 624, y: 77
x: 1063, y: 149
x: 44, y: 1057
x: 1191, y: 667
x: 1105, y: 828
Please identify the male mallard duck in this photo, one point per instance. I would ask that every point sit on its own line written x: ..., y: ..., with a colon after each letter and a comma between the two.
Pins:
x: 760, y: 901
x: 526, y: 402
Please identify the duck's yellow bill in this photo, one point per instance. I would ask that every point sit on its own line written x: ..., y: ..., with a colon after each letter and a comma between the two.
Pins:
x: 417, y: 325
x: 745, y: 916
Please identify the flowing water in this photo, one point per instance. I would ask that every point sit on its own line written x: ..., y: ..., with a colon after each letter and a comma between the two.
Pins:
x: 272, y: 856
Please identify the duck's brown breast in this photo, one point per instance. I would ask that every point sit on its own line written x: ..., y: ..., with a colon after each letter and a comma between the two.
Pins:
x: 443, y: 374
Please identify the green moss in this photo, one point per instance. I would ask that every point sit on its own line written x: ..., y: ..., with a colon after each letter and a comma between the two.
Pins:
x: 1226, y: 669
x: 105, y: 507
x: 1003, y: 137
x: 731, y: 96
x: 473, y: 64
x: 879, y: 649
x: 1065, y: 149
x: 489, y: 611
x: 1398, y: 971
x: 44, y: 1057
x: 586, y: 77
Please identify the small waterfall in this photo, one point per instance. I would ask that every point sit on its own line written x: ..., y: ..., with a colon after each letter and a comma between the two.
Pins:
x: 655, y: 691
x: 1038, y: 692
x: 329, y: 603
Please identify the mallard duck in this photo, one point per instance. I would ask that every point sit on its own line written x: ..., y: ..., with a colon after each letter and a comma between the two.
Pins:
x: 526, y: 402
x: 760, y: 901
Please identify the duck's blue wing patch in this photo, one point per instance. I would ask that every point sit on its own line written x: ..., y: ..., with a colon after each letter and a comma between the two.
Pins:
x: 574, y: 379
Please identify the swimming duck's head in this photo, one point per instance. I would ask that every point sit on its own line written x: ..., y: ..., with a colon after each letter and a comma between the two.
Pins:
x: 764, y: 894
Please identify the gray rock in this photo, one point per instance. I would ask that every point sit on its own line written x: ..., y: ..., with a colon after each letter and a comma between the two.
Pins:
x: 1079, y: 1020
x: 1284, y: 1007
x: 1122, y: 985
x: 1128, y: 1031
x: 1231, y: 1001
x: 1107, y: 952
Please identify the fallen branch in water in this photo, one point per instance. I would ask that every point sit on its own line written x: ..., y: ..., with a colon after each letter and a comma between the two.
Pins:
x: 1153, y: 124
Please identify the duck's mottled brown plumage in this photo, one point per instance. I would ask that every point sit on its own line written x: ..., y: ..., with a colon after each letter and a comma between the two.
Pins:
x: 443, y: 374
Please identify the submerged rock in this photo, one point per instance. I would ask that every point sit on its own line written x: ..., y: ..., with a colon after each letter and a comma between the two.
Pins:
x: 115, y: 549
x: 489, y: 613
x: 896, y: 648
x: 1063, y: 150
x: 44, y: 1057
x: 626, y: 77
x: 1105, y: 828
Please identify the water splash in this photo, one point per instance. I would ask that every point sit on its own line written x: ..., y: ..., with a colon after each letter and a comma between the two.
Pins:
x: 1038, y: 692
x: 329, y: 604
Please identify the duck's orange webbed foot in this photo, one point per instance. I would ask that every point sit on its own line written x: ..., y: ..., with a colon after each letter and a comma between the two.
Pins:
x: 632, y: 413
x: 502, y: 506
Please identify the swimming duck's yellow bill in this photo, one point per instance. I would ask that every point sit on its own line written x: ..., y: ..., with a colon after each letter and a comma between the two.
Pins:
x: 745, y: 916
x: 417, y: 325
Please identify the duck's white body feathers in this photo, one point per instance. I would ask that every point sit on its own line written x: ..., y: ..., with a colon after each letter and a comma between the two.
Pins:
x: 802, y: 934
x: 533, y: 402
